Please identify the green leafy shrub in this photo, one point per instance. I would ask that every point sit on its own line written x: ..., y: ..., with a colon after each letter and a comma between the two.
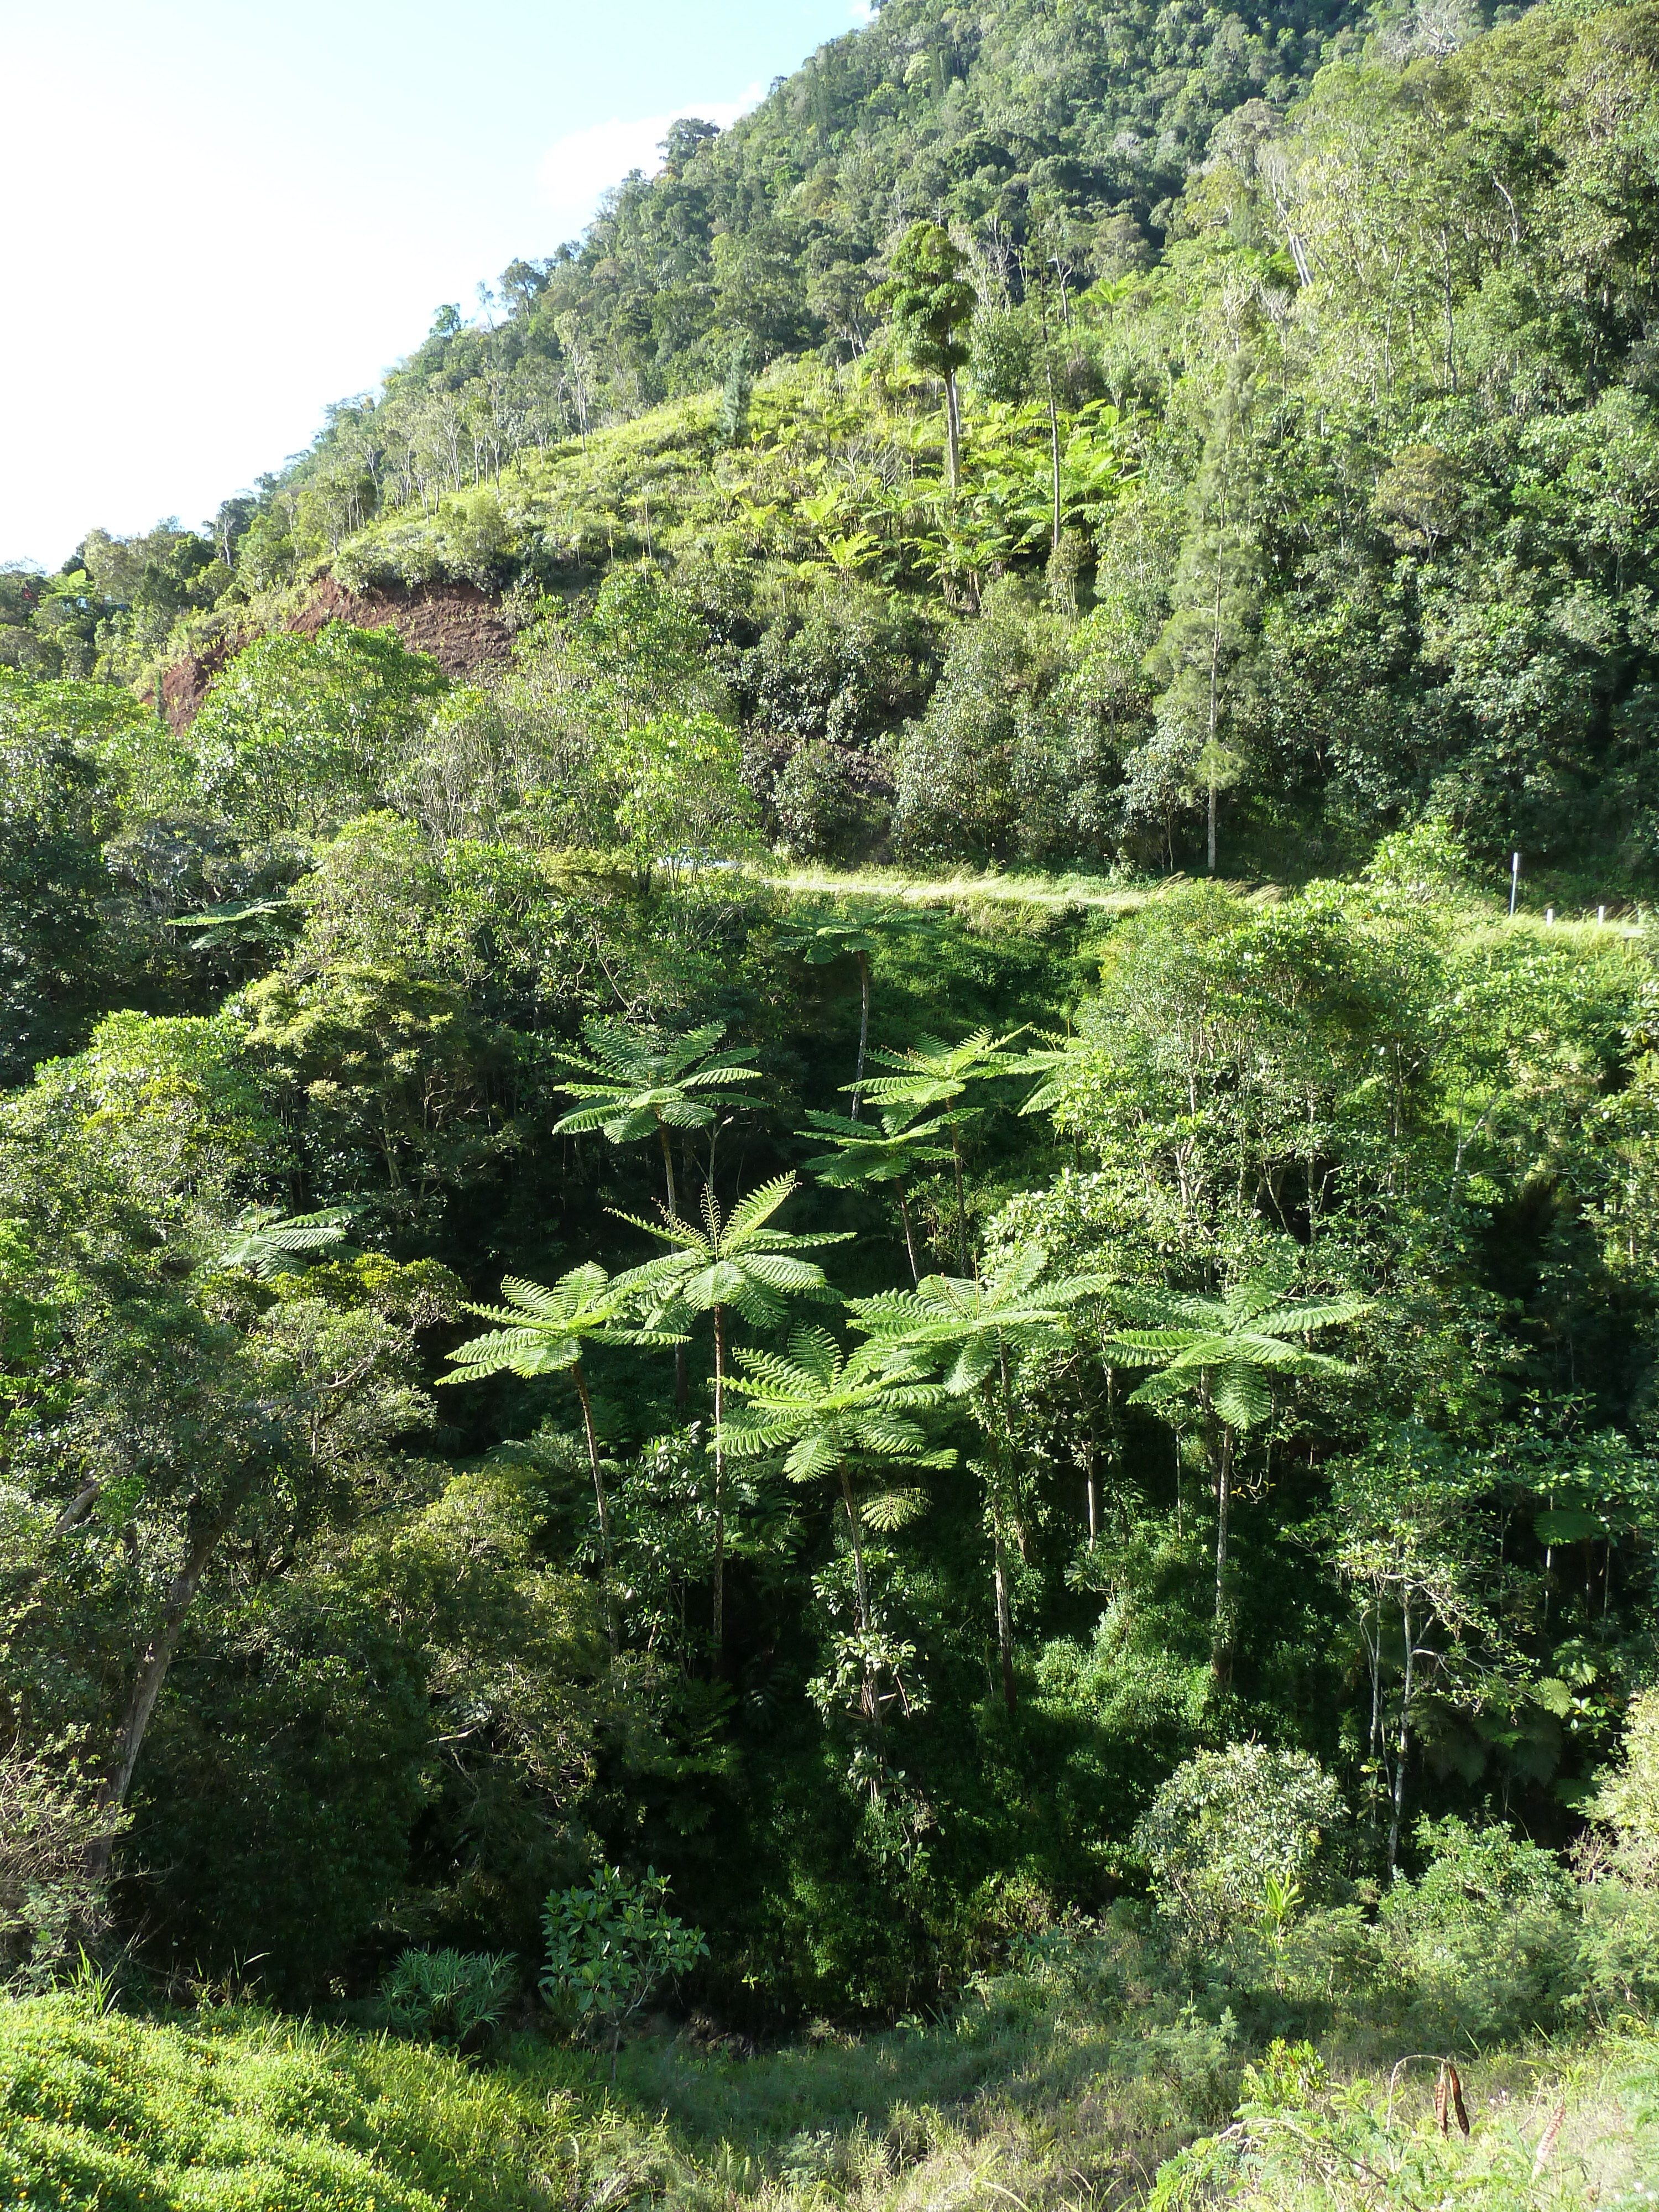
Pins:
x: 1225, y: 1822
x: 1627, y: 1799
x: 821, y: 814
x: 1485, y: 1938
x: 611, y: 1944
x: 50, y: 1905
x: 449, y: 1996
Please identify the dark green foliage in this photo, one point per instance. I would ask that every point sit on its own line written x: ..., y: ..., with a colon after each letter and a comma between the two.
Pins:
x: 52, y: 880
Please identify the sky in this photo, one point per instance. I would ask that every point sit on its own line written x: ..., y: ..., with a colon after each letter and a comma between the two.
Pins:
x: 221, y: 214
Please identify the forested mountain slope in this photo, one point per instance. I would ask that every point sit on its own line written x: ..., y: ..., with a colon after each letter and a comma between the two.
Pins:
x: 1306, y: 445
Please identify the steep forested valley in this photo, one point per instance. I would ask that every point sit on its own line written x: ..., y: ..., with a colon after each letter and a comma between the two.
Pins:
x: 830, y: 1179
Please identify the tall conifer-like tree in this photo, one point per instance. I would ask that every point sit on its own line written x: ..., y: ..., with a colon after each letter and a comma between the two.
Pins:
x: 931, y: 304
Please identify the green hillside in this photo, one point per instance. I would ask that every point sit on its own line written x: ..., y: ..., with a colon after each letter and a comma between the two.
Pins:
x: 1312, y: 468
x: 829, y: 1154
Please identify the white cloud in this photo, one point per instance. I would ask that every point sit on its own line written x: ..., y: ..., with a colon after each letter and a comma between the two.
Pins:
x: 576, y: 168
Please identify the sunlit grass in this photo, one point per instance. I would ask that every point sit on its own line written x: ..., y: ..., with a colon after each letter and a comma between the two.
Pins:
x: 1046, y: 2090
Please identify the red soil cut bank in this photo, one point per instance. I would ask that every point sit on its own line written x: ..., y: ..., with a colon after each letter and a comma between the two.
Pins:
x: 458, y: 624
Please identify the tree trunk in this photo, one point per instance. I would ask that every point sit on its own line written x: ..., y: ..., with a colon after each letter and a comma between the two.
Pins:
x: 719, y: 1485
x: 910, y: 1237
x: 604, y: 1505
x: 871, y: 1687
x: 1221, y: 1647
x: 681, y: 1365
x: 863, y: 959
x: 1403, y: 1743
x: 1215, y: 675
x: 1054, y: 437
x: 961, y: 1203
x: 1004, y: 1613
x: 952, y: 433
x: 152, y: 1672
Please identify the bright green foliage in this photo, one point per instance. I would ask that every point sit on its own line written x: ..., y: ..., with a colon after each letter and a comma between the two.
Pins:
x: 931, y: 1072
x: 300, y: 733
x: 546, y: 1332
x: 889, y: 1150
x: 268, y: 1243
x: 842, y: 1418
x: 51, y: 1905
x: 650, y: 1082
x: 736, y: 392
x: 968, y: 1329
x: 931, y: 303
x: 1627, y: 1801
x: 733, y: 1260
x: 832, y: 1412
x: 249, y: 2109
x: 449, y: 1996
x: 1228, y: 1828
x: 975, y: 1332
x: 610, y: 1945
x: 928, y: 298
x: 683, y: 802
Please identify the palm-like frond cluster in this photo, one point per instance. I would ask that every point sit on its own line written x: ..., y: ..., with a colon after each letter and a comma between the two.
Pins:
x: 270, y: 1243
x: 970, y: 1325
x: 1231, y: 1346
x: 829, y: 1407
x: 734, y: 1260
x: 828, y: 1413
x: 863, y: 1154
x: 640, y: 1080
x: 931, y: 1072
x: 545, y: 1331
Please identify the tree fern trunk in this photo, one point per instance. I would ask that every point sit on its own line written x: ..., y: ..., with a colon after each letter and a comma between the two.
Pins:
x: 1004, y: 1613
x: 152, y: 1672
x: 719, y: 1485
x: 603, y: 1504
x: 1221, y: 1646
x: 864, y: 1030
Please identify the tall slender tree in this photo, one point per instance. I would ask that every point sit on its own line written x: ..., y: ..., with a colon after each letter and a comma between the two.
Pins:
x: 644, y: 1080
x: 974, y: 1331
x: 931, y: 304
x: 820, y: 937
x: 862, y: 1157
x: 931, y: 1072
x: 735, y: 1263
x: 546, y: 1332
x: 839, y: 1418
x: 1222, y: 1356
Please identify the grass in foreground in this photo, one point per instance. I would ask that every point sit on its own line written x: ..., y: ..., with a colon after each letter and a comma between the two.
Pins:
x: 1045, y: 2091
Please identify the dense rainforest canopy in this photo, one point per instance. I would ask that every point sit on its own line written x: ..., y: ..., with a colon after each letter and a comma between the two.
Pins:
x: 578, y: 1312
